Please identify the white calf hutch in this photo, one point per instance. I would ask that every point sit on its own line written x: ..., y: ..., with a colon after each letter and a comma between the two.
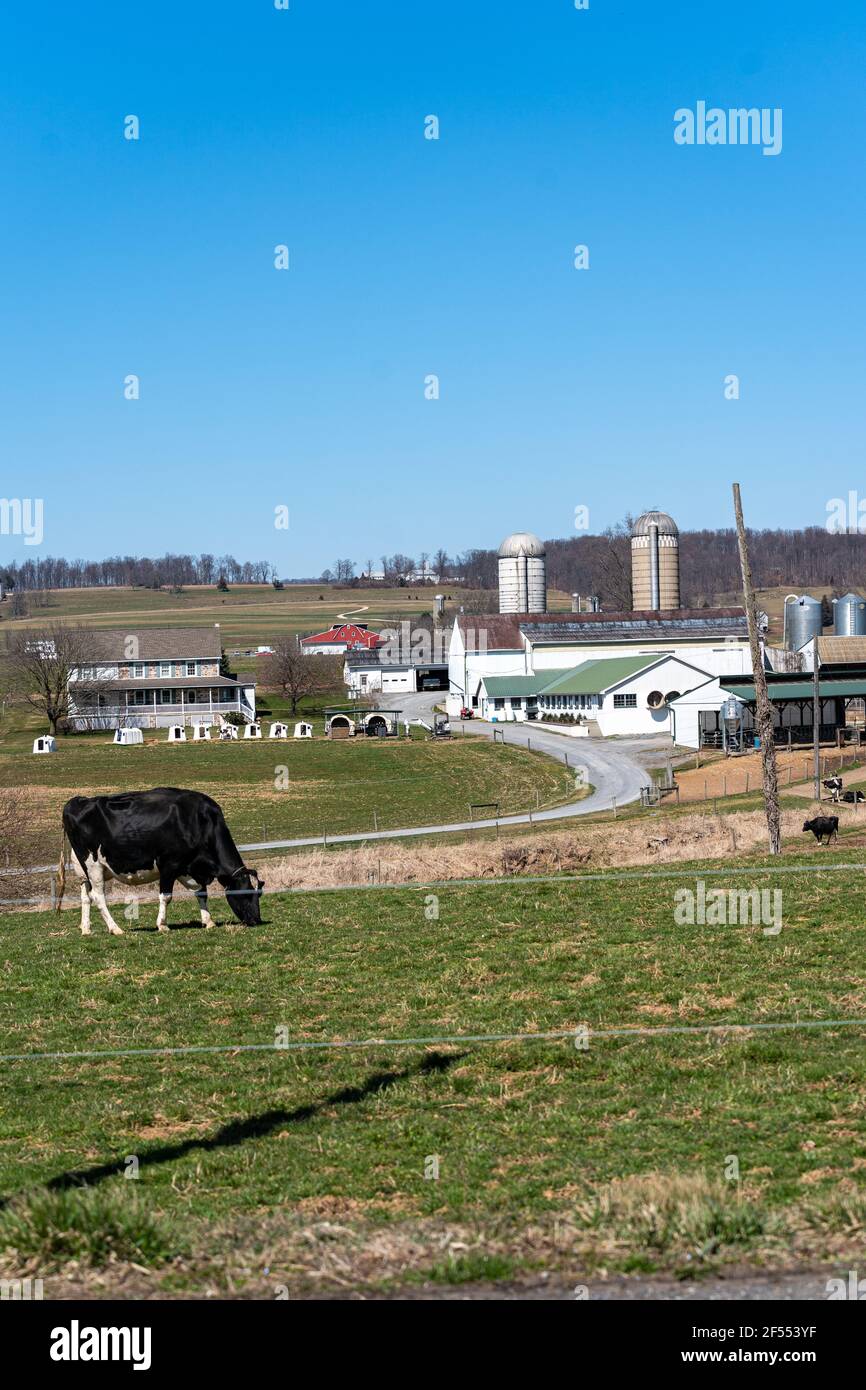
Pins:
x: 46, y: 743
x: 252, y: 731
x: 126, y: 737
x: 176, y: 733
x: 200, y: 733
x: 278, y: 731
x: 228, y: 732
x: 303, y: 729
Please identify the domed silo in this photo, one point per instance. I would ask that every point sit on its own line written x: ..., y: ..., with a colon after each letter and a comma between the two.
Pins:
x: 802, y: 621
x: 522, y: 574
x: 655, y: 562
x: 849, y: 616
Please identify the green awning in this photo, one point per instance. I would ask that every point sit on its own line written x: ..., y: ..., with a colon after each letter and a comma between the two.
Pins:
x: 798, y: 690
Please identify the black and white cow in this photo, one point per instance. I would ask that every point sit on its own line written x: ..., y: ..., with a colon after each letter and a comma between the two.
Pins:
x: 165, y: 835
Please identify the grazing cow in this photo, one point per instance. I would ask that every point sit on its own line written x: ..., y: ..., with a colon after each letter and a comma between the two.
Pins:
x: 823, y: 825
x: 162, y: 835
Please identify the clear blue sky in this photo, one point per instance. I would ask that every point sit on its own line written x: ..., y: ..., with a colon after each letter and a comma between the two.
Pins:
x: 559, y: 387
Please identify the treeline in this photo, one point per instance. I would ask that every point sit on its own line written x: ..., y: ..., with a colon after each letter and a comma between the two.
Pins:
x: 586, y: 564
x: 709, y: 563
x: 173, y: 571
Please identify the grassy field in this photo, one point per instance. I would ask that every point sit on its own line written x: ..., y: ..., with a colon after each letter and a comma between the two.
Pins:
x: 293, y: 789
x: 307, y: 1168
x: 250, y: 614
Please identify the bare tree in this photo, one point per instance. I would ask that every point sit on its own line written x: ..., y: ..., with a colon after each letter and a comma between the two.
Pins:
x: 440, y: 563
x: 294, y: 674
x: 59, y: 669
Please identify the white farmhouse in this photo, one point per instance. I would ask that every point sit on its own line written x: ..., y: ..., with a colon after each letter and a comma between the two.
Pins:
x: 155, y: 678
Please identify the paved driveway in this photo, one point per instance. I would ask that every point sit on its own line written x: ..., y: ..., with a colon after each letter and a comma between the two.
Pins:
x: 614, y: 767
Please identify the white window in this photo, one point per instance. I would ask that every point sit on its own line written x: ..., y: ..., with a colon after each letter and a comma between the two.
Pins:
x: 165, y: 696
x: 625, y: 701
x: 190, y: 668
x: 165, y: 668
x: 138, y: 670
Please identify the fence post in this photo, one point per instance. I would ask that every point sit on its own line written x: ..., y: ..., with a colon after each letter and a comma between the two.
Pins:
x: 375, y: 820
x: 613, y: 802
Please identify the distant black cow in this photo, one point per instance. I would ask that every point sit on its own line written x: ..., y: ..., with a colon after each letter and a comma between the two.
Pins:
x: 167, y: 835
x: 852, y: 796
x: 823, y: 825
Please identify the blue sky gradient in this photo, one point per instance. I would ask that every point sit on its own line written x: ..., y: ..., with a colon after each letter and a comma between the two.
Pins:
x: 559, y: 387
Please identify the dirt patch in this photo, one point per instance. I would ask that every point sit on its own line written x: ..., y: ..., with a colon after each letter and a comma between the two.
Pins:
x: 738, y: 775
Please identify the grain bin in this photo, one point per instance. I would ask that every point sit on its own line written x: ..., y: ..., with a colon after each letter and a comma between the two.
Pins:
x: 522, y: 574
x: 849, y: 616
x: 802, y: 621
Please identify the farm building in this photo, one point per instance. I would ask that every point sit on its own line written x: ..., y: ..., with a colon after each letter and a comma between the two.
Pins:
x: 543, y: 647
x: 619, y: 695
x: 173, y: 678
x: 365, y: 672
x: 340, y: 639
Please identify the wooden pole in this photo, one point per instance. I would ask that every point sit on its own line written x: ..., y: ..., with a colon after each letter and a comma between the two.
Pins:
x: 763, y: 708
x: 816, y: 721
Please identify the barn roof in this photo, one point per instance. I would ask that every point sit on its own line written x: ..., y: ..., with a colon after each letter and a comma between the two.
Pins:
x: 352, y: 634
x: 505, y: 631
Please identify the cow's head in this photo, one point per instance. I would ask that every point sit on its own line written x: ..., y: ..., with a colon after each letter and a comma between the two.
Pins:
x: 808, y: 825
x: 243, y: 892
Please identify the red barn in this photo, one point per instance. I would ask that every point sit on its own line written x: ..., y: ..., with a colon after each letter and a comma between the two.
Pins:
x: 340, y: 639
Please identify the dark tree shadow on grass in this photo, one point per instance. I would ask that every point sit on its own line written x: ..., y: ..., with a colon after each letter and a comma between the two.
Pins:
x: 254, y: 1127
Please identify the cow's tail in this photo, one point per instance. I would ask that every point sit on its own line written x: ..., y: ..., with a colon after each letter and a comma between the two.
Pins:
x: 61, y: 870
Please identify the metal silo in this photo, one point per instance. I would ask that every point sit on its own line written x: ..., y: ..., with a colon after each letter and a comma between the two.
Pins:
x: 849, y: 616
x: 522, y: 574
x: 802, y: 621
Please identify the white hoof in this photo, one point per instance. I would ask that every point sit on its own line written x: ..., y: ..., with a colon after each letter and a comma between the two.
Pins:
x: 161, y: 927
x: 85, y: 931
x: 116, y: 931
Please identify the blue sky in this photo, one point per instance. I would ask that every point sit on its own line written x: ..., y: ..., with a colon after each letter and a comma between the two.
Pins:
x: 559, y: 388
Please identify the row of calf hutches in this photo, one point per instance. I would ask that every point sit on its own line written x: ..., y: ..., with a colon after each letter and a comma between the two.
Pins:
x: 201, y: 733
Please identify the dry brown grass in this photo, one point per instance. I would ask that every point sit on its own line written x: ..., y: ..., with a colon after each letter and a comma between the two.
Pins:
x: 657, y: 840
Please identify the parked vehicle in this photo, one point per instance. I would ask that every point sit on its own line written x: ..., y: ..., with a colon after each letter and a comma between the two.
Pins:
x: 467, y: 713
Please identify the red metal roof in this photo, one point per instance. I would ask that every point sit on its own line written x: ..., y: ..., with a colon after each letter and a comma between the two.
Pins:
x: 347, y: 634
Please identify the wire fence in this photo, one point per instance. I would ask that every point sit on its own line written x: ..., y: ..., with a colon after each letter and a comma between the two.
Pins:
x: 580, y: 1036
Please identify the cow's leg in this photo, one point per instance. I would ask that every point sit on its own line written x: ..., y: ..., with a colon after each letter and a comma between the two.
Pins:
x: 166, y: 887
x: 201, y: 895
x: 164, y: 900
x: 97, y: 896
x: 85, y: 910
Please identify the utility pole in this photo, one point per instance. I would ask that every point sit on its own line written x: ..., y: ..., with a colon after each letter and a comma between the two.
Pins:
x: 763, y: 708
x: 816, y: 722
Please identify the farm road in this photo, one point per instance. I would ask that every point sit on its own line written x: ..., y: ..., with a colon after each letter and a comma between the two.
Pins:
x: 614, y: 767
